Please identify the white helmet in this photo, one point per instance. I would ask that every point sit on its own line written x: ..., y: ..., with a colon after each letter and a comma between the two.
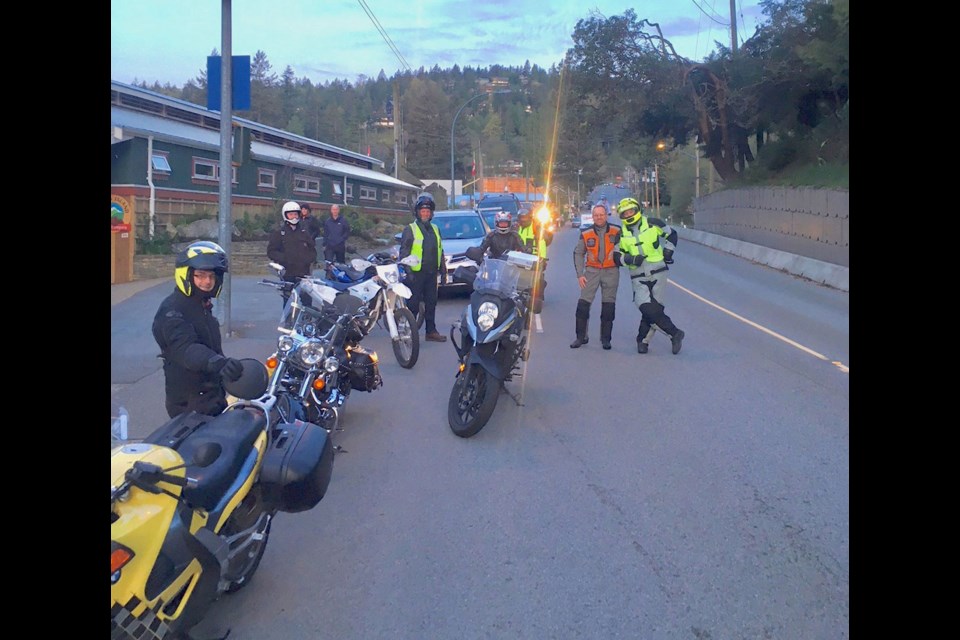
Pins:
x: 291, y: 207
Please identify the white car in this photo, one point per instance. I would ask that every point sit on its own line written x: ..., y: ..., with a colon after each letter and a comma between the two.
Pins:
x: 586, y: 219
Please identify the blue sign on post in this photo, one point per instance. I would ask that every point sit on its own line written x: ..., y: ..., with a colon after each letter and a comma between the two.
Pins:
x: 239, y: 83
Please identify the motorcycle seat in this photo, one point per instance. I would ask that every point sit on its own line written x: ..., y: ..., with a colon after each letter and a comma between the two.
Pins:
x: 215, y: 453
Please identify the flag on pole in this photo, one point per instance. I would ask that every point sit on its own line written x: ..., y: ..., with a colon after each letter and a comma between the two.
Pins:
x: 473, y: 169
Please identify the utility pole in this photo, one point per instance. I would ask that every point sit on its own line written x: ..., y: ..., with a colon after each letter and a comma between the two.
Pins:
x: 226, y: 151
x: 733, y: 26
x: 396, y: 129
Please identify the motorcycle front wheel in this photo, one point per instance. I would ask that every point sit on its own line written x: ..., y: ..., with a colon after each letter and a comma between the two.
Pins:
x: 472, y: 401
x: 407, y: 348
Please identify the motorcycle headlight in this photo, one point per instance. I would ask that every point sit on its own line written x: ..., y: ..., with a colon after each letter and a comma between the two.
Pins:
x: 331, y: 364
x: 391, y: 276
x: 486, y: 315
x: 285, y: 343
x: 311, y: 352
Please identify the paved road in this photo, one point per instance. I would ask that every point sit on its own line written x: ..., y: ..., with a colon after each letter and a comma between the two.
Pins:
x: 702, y: 495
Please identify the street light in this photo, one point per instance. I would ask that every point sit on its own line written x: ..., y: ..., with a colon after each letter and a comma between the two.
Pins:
x: 454, y: 124
x: 579, y: 173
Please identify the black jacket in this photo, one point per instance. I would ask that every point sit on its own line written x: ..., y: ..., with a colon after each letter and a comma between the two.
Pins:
x: 335, y: 232
x: 428, y: 262
x: 188, y: 335
x: 499, y: 243
x: 293, y: 247
x: 313, y: 225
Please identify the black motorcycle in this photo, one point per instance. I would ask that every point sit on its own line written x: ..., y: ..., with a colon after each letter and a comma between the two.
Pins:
x: 493, y: 332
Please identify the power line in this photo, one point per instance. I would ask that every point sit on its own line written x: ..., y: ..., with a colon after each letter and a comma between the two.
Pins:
x: 383, y: 34
x: 704, y: 11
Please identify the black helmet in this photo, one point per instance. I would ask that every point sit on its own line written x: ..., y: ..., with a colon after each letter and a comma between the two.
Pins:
x: 425, y: 200
x: 204, y: 255
x: 252, y: 382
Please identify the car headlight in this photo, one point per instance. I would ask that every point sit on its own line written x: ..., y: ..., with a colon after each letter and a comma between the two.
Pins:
x: 486, y: 315
x: 285, y: 343
x: 311, y: 352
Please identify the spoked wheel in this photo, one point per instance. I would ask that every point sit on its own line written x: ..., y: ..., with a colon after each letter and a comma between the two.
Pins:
x: 407, y: 348
x: 472, y: 401
x: 419, y: 314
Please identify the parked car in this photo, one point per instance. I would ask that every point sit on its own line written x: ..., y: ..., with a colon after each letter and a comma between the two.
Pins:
x: 460, y: 229
x: 489, y: 205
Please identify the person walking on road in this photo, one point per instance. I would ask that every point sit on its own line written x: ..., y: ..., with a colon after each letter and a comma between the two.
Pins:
x: 291, y: 246
x: 188, y: 334
x: 596, y: 259
x: 647, y: 246
x: 336, y: 230
x: 422, y: 239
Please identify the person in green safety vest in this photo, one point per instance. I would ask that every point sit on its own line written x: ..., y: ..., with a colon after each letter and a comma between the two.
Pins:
x: 646, y: 248
x: 536, y: 238
x: 422, y: 239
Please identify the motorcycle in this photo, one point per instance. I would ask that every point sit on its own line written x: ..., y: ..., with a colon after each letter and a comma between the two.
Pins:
x: 377, y: 281
x: 493, y: 332
x: 319, y: 360
x: 193, y: 504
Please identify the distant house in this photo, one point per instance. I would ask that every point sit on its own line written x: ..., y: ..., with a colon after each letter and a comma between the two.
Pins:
x: 165, y: 157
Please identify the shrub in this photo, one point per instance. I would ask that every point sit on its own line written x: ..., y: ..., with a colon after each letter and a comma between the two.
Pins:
x: 161, y: 244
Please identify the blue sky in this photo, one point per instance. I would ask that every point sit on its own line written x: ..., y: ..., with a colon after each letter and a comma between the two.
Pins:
x: 169, y: 40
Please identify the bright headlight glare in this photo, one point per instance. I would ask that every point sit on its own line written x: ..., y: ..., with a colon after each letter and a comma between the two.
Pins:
x: 311, y: 352
x: 331, y: 364
x: 543, y: 214
x: 486, y: 315
x: 284, y: 344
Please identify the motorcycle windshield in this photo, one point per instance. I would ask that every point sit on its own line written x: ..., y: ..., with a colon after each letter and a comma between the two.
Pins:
x: 498, y: 277
x: 304, y: 305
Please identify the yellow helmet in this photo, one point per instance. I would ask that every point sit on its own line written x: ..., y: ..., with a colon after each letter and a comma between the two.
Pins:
x: 203, y: 255
x: 629, y: 210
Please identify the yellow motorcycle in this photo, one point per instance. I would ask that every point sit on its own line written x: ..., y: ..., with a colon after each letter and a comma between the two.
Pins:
x: 192, y: 505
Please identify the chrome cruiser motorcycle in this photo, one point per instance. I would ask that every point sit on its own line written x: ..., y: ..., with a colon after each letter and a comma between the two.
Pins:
x: 192, y: 505
x: 319, y: 359
x: 493, y: 332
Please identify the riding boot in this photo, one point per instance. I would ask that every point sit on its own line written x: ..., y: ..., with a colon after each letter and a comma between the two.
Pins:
x: 607, y: 310
x: 582, y: 315
x: 643, y: 338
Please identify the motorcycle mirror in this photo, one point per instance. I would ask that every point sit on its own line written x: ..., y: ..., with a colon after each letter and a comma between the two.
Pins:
x: 118, y: 429
x: 475, y: 254
x: 252, y: 383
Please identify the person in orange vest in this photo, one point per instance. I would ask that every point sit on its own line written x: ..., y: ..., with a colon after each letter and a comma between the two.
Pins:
x: 596, y: 259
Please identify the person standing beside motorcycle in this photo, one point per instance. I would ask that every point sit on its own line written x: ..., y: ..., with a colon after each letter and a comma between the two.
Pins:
x: 502, y: 238
x: 292, y: 246
x: 188, y: 334
x: 536, y: 238
x: 336, y: 230
x: 596, y: 259
x: 421, y: 238
x: 647, y: 247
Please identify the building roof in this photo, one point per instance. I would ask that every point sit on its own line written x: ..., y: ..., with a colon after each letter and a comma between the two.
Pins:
x: 126, y: 122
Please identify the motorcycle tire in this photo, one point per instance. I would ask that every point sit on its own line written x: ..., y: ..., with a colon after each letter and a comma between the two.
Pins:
x: 421, y: 310
x: 407, y: 348
x: 472, y: 401
x: 237, y: 522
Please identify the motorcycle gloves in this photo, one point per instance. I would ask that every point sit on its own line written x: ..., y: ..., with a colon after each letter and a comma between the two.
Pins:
x: 229, y: 368
x: 632, y: 260
x: 668, y: 256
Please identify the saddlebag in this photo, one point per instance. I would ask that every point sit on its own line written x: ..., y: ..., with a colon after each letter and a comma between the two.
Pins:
x: 297, y: 467
x: 364, y: 370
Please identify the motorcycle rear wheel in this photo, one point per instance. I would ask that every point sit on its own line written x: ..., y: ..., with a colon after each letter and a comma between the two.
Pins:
x: 240, y: 520
x: 472, y: 401
x: 407, y: 348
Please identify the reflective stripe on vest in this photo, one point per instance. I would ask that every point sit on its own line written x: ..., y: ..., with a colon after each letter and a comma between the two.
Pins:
x: 529, y: 240
x: 417, y: 248
x: 645, y: 240
x: 593, y: 252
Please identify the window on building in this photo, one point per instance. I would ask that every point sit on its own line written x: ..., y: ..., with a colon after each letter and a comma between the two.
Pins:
x: 159, y: 161
x: 267, y: 178
x: 306, y: 184
x: 368, y: 193
x: 402, y: 198
x: 204, y: 169
x: 386, y: 195
x: 336, y: 189
x: 349, y: 190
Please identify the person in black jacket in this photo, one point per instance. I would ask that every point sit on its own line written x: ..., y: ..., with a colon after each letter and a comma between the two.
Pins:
x: 336, y: 230
x: 291, y: 246
x: 422, y: 239
x: 313, y: 225
x: 188, y: 334
x: 502, y: 238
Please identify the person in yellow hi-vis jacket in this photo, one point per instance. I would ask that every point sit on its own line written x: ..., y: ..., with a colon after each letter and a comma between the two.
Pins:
x: 646, y: 248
